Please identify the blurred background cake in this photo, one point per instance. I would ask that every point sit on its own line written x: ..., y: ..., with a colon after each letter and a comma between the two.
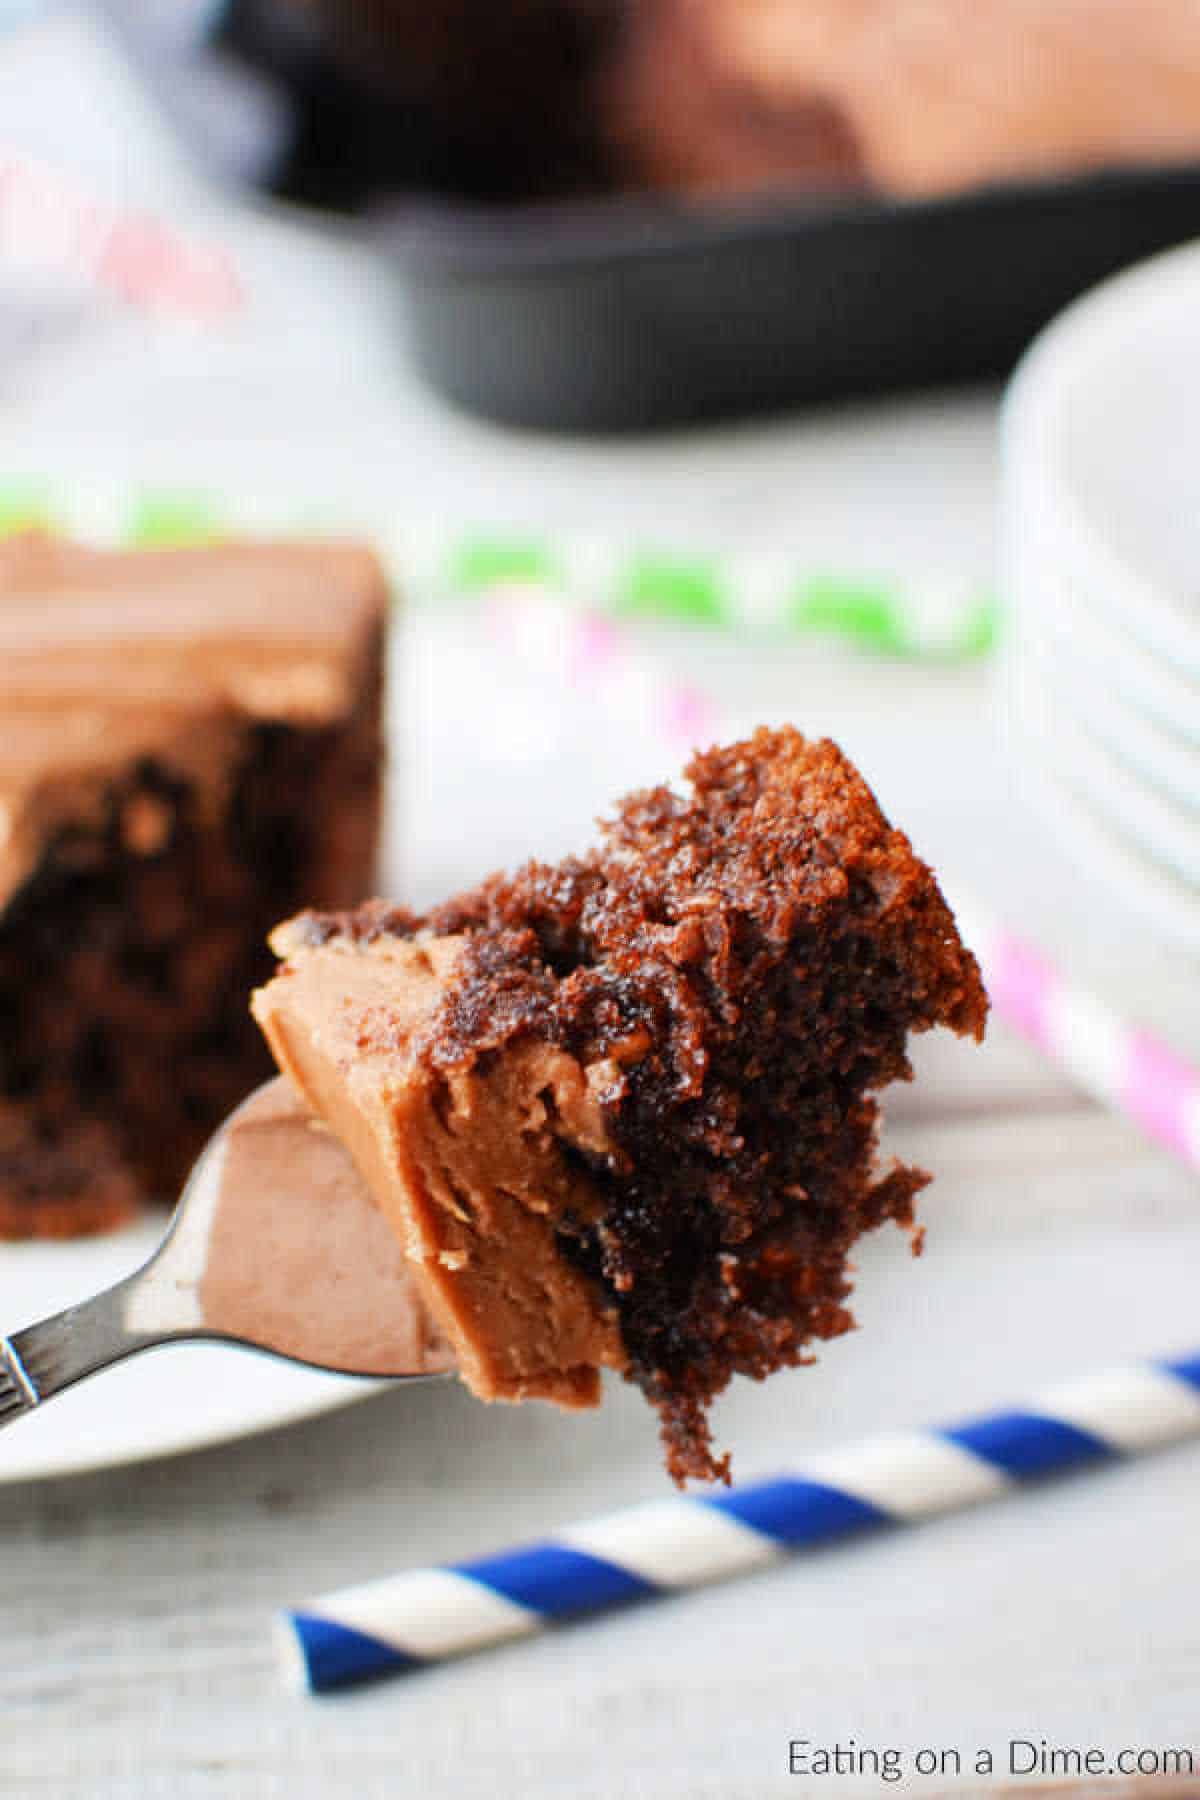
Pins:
x: 907, y: 96
x: 563, y: 96
x: 191, y: 748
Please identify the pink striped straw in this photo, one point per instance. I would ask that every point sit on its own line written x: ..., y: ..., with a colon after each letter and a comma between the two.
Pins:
x: 1125, y: 1067
x: 590, y: 652
x: 49, y: 223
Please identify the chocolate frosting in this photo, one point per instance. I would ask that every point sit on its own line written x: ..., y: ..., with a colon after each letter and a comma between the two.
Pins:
x: 299, y: 1258
x: 106, y: 657
x: 474, y: 1173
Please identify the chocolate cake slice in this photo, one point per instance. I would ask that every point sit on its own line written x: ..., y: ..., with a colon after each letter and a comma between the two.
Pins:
x: 191, y: 747
x: 621, y: 1110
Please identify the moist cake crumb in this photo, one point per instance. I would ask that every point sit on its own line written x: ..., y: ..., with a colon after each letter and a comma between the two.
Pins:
x: 735, y: 969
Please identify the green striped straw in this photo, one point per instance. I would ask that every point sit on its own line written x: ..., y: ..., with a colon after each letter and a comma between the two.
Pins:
x: 751, y: 594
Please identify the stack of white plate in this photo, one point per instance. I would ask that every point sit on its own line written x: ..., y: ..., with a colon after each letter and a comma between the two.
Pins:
x: 1101, y: 554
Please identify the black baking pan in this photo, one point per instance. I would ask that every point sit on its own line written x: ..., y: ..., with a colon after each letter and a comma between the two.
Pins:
x: 623, y: 315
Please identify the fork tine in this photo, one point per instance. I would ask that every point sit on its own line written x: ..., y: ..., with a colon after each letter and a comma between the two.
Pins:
x: 15, y: 1397
x: 12, y: 1401
x: 33, y: 1355
x: 164, y: 1301
x: 42, y: 1359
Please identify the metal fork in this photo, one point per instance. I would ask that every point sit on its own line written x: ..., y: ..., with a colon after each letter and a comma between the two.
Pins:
x: 274, y: 1244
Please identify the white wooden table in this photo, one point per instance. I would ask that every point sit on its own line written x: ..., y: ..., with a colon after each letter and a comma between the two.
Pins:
x: 135, y: 1604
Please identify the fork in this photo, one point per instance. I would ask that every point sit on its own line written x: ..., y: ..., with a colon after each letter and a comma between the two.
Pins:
x: 273, y: 1232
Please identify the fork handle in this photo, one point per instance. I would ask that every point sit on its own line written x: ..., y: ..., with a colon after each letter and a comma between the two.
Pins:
x: 43, y: 1359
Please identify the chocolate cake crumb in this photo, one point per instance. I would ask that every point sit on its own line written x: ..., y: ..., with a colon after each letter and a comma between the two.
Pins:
x: 738, y: 968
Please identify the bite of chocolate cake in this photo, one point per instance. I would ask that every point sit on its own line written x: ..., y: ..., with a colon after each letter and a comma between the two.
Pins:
x: 621, y: 1110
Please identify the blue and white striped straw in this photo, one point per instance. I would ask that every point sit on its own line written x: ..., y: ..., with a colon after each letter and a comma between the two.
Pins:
x: 409, y: 1620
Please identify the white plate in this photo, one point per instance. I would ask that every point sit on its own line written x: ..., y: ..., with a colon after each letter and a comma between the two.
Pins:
x: 1049, y: 593
x: 1039, y: 709
x: 1100, y: 544
x: 1081, y: 688
x: 1102, y: 852
x: 1102, y: 435
x: 1086, y: 647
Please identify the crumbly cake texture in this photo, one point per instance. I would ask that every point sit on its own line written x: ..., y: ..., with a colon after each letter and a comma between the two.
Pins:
x: 735, y: 970
x: 191, y: 747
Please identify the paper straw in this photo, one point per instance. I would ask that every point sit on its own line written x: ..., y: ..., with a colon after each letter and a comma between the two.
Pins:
x: 407, y: 1621
x: 588, y: 651
x: 1130, y: 1070
x: 51, y: 225
x: 750, y: 594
